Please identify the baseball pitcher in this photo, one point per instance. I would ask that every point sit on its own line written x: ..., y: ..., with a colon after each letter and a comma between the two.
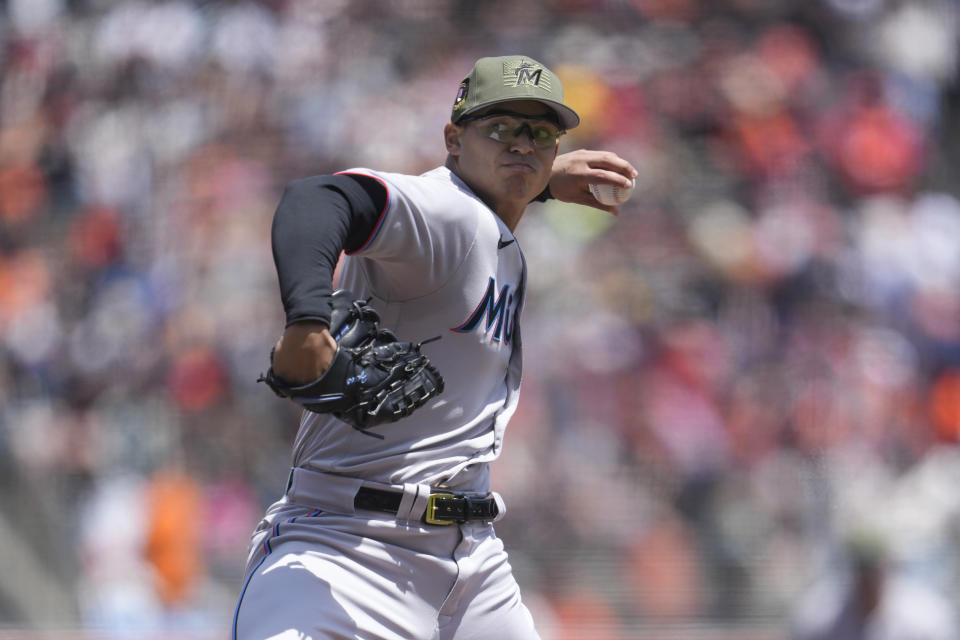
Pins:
x: 408, y: 374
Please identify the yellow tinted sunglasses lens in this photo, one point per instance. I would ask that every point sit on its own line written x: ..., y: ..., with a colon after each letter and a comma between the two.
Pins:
x: 506, y: 131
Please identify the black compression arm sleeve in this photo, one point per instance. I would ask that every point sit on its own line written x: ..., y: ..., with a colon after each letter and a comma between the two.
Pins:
x: 316, y: 219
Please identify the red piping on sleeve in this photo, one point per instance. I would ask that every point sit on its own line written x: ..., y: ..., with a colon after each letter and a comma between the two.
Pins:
x: 383, y: 212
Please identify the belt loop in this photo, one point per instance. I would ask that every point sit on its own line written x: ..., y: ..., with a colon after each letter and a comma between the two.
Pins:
x: 501, y: 505
x: 414, y: 502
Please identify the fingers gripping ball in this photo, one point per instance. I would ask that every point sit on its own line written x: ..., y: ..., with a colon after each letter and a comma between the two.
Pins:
x: 374, y: 378
x: 610, y: 195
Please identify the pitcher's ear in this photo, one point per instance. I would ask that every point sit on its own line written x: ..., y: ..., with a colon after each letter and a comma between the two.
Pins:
x: 451, y: 138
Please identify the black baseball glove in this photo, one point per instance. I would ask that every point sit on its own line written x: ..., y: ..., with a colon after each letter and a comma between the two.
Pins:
x: 374, y: 377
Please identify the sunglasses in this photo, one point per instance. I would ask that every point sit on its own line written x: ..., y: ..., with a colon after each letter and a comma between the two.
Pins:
x: 505, y: 127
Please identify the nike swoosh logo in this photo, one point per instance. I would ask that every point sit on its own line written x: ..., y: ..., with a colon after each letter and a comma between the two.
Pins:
x: 501, y: 243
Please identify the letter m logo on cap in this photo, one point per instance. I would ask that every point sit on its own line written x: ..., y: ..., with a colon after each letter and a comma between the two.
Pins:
x: 525, y: 73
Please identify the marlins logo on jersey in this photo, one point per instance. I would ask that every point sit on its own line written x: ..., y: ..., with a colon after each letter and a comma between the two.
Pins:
x: 497, y: 308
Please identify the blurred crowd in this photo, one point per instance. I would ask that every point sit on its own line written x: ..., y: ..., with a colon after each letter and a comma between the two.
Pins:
x: 728, y: 388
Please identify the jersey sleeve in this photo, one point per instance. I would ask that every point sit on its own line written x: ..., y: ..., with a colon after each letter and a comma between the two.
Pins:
x: 425, y: 233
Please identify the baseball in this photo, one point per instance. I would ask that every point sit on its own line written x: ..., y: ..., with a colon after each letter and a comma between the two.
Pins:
x: 610, y: 195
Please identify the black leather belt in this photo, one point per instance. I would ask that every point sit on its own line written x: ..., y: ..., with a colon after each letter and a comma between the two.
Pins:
x: 442, y: 508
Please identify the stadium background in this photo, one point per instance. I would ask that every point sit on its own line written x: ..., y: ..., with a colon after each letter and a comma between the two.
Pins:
x: 754, y: 370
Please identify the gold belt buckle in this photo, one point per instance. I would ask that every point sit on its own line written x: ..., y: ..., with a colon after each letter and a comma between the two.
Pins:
x: 430, y: 516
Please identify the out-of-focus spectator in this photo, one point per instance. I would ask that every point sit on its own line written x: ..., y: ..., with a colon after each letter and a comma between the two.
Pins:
x: 863, y: 597
x: 172, y: 540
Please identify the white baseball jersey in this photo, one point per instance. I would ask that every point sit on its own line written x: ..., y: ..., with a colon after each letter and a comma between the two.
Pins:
x: 440, y: 262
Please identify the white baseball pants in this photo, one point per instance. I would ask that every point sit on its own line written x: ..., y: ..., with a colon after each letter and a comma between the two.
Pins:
x: 321, y: 575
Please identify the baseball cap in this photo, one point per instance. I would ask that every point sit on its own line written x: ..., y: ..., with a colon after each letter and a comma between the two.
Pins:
x: 505, y: 78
